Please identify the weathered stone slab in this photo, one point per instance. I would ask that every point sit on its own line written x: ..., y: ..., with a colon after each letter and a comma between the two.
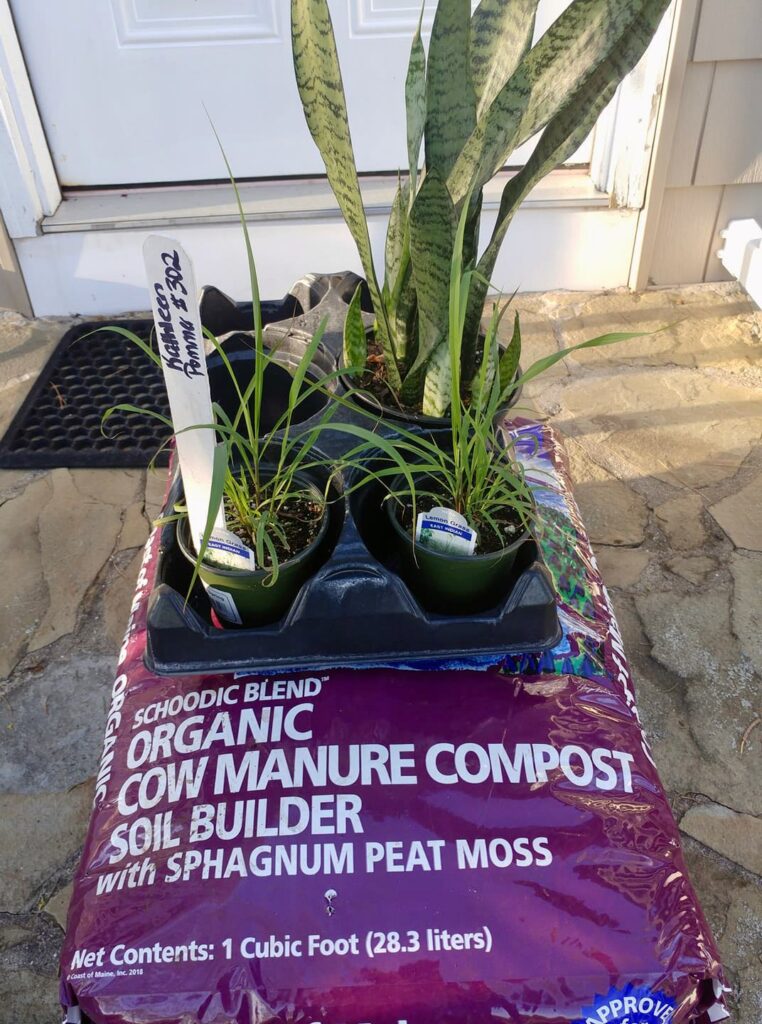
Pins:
x: 55, y: 537
x: 736, y: 836
x: 29, y: 996
x: 621, y: 567
x: 740, y: 515
x: 134, y: 531
x: 684, y: 427
x: 58, y: 905
x: 155, y: 489
x: 612, y: 512
x: 694, y: 568
x: 680, y: 519
x: 706, y: 325
x: 52, y: 723
x: 703, y: 720
x: 732, y: 902
x: 746, y: 567
x: 25, y: 346
x: 38, y: 834
x: 117, y: 599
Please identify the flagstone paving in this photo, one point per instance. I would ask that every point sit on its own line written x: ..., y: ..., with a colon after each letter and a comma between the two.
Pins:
x: 664, y: 438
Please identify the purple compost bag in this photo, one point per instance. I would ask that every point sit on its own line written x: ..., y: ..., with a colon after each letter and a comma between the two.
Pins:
x: 387, y: 846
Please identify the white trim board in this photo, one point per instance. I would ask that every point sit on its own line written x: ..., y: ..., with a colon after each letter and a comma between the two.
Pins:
x: 28, y: 183
x: 299, y: 199
x: 101, y: 271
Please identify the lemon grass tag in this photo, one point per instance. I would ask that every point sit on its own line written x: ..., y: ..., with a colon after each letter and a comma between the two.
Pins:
x: 180, y: 344
x: 227, y: 551
x: 446, y: 531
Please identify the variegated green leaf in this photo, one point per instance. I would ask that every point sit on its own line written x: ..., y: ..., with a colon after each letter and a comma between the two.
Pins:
x: 493, y: 138
x: 415, y: 103
x: 590, y: 34
x: 470, y: 253
x: 501, y: 33
x: 396, y: 235
x: 563, y: 135
x: 450, y: 97
x: 406, y: 318
x: 355, y: 350
x: 509, y: 360
x: 436, y: 389
x: 432, y: 233
x: 318, y: 78
x: 585, y: 36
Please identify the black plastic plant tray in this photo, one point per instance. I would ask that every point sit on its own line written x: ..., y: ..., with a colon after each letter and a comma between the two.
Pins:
x: 356, y: 611
x: 59, y: 422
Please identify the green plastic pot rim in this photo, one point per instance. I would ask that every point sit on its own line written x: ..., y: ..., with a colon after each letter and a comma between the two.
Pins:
x: 183, y: 531
x: 391, y: 511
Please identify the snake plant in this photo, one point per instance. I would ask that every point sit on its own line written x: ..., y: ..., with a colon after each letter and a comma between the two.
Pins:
x: 482, y: 91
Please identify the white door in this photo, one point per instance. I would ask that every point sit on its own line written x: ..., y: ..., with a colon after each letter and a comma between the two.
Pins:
x: 102, y: 93
x: 121, y: 86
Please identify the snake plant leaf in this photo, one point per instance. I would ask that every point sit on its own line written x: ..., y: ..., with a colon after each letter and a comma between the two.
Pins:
x: 563, y: 135
x: 585, y: 36
x: 450, y: 96
x: 589, y: 35
x: 405, y: 316
x: 355, y: 348
x: 493, y: 139
x: 501, y: 33
x: 318, y: 78
x: 396, y: 236
x: 436, y: 388
x: 415, y: 102
x: 432, y: 234
x: 509, y: 360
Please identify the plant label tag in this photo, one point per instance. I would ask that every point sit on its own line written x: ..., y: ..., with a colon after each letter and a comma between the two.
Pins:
x: 180, y: 343
x: 228, y: 551
x: 224, y: 605
x: 446, y: 531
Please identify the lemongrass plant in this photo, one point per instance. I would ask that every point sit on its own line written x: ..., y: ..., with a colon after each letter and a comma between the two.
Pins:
x: 476, y: 470
x: 256, y: 474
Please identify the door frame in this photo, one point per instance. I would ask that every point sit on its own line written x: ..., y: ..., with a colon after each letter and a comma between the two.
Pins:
x: 29, y: 189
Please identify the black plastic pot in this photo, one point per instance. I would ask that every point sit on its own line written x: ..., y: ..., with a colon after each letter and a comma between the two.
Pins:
x: 278, y: 376
x: 243, y: 598
x: 452, y: 584
x: 413, y: 419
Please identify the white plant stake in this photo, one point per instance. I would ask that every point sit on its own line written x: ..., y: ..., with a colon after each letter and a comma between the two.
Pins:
x: 180, y: 342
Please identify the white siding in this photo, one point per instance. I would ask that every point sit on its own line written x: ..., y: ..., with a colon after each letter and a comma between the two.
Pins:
x: 715, y: 167
x: 729, y: 30
x: 731, y: 146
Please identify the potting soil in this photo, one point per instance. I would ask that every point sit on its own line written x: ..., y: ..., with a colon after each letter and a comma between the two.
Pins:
x: 384, y: 846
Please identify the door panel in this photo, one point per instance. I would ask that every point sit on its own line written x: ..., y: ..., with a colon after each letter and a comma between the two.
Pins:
x: 122, y: 85
x: 142, y: 22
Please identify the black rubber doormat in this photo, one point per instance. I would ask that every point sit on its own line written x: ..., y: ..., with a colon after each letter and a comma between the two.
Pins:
x: 92, y: 369
x: 59, y: 423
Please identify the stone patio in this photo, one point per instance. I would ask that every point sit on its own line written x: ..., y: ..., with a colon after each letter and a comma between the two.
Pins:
x: 664, y: 441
